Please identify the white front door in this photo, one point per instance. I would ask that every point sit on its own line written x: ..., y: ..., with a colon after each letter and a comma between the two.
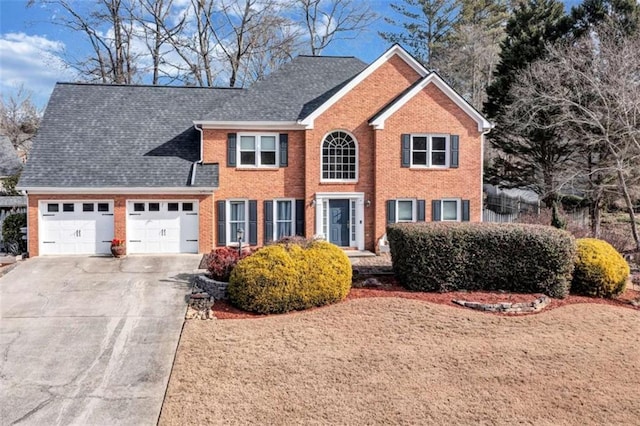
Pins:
x: 75, y: 227
x: 162, y: 226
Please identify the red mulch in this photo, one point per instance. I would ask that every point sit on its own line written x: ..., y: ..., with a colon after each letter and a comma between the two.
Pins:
x: 390, y: 288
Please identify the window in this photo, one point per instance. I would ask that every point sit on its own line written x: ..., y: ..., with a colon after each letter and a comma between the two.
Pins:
x: 67, y: 207
x: 237, y: 220
x: 187, y: 207
x: 339, y: 157
x: 103, y: 207
x: 405, y: 211
x: 53, y: 208
x: 284, y: 214
x: 258, y: 150
x: 450, y: 210
x: 138, y: 207
x: 87, y: 207
x: 172, y: 207
x: 429, y: 151
x: 154, y: 207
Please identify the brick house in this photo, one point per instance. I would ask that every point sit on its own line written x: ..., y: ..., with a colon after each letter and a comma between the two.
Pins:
x: 324, y: 146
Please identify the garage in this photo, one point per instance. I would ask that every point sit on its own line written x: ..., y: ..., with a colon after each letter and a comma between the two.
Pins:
x: 159, y: 226
x: 76, y: 227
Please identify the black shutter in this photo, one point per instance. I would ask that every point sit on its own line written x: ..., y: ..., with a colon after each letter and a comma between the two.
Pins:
x: 436, y: 206
x: 420, y: 211
x: 253, y: 223
x: 465, y: 210
x: 455, y: 147
x: 406, y: 150
x: 284, y: 149
x: 231, y: 149
x: 300, y: 218
x: 222, y: 223
x: 391, y: 211
x: 268, y: 221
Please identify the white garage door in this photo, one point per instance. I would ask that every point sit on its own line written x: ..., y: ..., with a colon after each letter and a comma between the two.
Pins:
x: 76, y: 227
x: 162, y: 226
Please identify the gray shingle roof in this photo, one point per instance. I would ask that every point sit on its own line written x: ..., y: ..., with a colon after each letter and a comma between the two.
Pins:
x: 95, y: 135
x: 290, y: 93
x: 10, y: 163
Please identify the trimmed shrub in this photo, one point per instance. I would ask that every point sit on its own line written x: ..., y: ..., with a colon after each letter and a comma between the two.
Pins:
x: 286, y: 277
x: 11, y: 234
x: 221, y: 262
x: 599, y: 270
x: 482, y: 256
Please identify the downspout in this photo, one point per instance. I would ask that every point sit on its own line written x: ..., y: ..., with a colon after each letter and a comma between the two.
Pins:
x: 195, y: 164
x: 482, y: 140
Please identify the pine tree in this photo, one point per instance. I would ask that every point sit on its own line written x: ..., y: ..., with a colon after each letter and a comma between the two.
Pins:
x: 623, y: 14
x: 526, y: 158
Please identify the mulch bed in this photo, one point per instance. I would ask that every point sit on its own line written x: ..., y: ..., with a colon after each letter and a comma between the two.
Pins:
x: 389, y: 287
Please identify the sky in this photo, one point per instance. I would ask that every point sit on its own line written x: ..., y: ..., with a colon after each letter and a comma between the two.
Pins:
x: 31, y: 46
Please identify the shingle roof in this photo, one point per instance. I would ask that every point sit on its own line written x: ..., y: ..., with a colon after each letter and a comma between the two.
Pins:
x: 10, y: 163
x: 95, y: 135
x: 290, y: 93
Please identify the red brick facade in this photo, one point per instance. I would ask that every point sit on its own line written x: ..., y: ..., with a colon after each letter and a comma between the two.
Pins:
x: 380, y: 175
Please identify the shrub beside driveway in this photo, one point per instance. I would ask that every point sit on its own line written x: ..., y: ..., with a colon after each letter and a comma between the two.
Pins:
x: 387, y: 360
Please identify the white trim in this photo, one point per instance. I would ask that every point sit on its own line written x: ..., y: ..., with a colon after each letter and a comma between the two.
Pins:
x: 392, y: 51
x: 227, y: 222
x: 250, y: 125
x: 275, y: 201
x: 257, y: 150
x: 322, y: 179
x: 458, y: 209
x: 483, y: 123
x: 430, y: 136
x: 118, y: 190
x: 414, y: 210
x: 358, y: 197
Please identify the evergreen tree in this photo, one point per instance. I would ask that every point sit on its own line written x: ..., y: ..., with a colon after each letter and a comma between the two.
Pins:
x: 622, y: 14
x: 529, y: 158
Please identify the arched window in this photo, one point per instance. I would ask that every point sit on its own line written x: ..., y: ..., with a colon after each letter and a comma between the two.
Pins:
x: 339, y: 157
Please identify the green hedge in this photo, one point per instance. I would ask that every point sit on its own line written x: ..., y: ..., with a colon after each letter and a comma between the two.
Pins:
x: 479, y: 256
x: 11, y: 234
x: 290, y: 276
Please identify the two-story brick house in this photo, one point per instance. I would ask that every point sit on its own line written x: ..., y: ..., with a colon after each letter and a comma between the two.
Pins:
x: 324, y: 146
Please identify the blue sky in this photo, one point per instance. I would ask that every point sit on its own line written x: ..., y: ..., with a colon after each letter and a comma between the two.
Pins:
x: 31, y: 46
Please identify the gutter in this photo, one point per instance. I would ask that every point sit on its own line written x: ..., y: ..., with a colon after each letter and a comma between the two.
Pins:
x: 195, y: 164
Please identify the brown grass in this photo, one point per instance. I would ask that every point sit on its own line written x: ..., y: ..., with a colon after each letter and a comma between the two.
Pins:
x: 400, y: 361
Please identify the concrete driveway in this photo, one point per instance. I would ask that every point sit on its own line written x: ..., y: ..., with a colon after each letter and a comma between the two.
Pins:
x: 90, y: 340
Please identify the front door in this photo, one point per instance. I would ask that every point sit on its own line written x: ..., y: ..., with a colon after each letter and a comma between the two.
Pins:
x: 339, y: 222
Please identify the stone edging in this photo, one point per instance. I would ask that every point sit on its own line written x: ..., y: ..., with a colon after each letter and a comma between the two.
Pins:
x: 506, y: 307
x: 216, y: 289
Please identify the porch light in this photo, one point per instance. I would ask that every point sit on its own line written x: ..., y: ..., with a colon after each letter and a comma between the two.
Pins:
x: 240, y: 235
x: 368, y: 203
x: 313, y: 203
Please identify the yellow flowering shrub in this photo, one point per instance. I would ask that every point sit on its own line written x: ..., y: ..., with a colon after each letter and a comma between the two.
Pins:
x: 599, y: 270
x: 282, y: 278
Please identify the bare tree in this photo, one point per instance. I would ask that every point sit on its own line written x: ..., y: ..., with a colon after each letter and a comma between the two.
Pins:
x: 328, y: 20
x: 108, y: 28
x: 19, y: 119
x: 591, y: 88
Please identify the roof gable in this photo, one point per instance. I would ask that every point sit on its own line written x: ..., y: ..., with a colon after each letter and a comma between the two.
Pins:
x: 395, y: 50
x: 378, y: 120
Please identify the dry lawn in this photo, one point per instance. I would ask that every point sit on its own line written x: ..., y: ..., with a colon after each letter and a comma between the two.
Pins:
x: 399, y: 361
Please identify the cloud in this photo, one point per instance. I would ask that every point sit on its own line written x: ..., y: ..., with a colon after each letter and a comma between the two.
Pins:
x: 31, y: 61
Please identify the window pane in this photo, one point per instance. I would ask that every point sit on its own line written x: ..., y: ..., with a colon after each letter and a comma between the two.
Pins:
x: 237, y: 211
x: 138, y: 207
x: 53, y: 208
x: 268, y: 158
x: 449, y: 210
x: 103, y: 207
x: 233, y: 231
x: 187, y: 207
x: 420, y: 143
x: 248, y: 158
x: 248, y: 143
x: 154, y: 207
x: 87, y: 207
x: 172, y: 207
x: 439, y: 144
x: 438, y: 158
x: 405, y: 210
x: 268, y: 143
x: 284, y: 210
x: 67, y: 207
x: 283, y: 229
x: 420, y: 158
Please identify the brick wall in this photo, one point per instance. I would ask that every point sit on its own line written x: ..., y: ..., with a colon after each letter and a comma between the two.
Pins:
x: 120, y: 218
